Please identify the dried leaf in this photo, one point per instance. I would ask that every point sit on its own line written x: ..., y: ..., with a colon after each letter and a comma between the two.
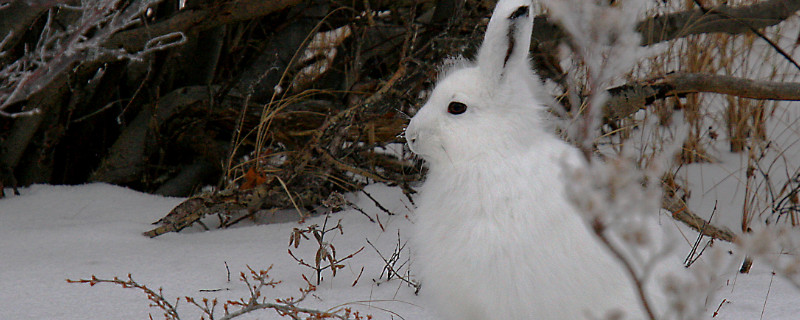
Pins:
x: 252, y: 178
x: 322, y: 253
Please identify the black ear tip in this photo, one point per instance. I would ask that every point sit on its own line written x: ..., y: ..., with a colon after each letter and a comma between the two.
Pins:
x: 520, y: 12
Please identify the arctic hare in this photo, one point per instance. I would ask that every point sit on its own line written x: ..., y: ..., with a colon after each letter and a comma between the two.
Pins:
x: 495, y: 235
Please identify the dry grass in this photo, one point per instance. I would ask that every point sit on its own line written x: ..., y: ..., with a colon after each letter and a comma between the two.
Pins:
x: 711, y: 120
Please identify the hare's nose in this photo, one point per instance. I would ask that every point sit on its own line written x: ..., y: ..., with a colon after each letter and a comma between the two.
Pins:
x: 411, y: 138
x: 410, y: 134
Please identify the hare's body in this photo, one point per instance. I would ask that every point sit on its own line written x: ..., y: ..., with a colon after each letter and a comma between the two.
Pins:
x: 496, y: 236
x: 506, y: 259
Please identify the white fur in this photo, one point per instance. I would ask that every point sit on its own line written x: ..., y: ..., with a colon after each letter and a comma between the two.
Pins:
x: 496, y: 237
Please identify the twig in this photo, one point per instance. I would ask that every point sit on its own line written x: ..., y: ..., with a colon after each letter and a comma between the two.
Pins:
x: 289, y: 195
x: 681, y: 213
x: 325, y: 251
x: 170, y: 312
x: 377, y: 204
x: 691, y: 258
x: 389, y: 266
x: 358, y: 277
x: 352, y: 205
x: 716, y: 312
x: 766, y: 297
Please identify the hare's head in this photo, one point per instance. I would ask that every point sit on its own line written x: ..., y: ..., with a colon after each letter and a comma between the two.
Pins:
x: 485, y: 107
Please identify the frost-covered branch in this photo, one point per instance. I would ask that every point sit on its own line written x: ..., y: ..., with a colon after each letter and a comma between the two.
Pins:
x: 60, y: 49
x: 17, y: 16
x: 97, y: 36
x: 620, y: 196
x: 599, y: 229
x: 618, y: 200
x: 197, y: 20
x: 604, y: 42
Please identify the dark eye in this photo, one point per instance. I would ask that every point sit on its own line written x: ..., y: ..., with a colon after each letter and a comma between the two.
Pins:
x: 456, y: 108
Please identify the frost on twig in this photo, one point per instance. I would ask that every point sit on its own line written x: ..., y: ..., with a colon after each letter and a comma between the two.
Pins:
x: 618, y: 200
x: 604, y: 41
x: 4, y: 43
x: 60, y: 47
x: 687, y: 294
x: 621, y: 201
x: 616, y: 195
x: 621, y: 196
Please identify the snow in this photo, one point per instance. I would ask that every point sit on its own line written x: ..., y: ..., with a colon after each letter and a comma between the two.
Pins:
x: 53, y: 233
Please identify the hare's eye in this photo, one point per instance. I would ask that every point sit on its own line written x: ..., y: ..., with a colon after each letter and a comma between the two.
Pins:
x: 456, y: 108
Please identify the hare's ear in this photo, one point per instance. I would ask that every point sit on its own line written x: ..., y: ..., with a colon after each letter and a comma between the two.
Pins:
x: 507, y: 40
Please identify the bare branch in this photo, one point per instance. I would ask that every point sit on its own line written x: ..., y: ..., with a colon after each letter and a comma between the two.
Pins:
x: 156, y: 298
x: 681, y: 213
x: 629, y: 98
x: 256, y: 282
x: 721, y: 19
x: 753, y: 29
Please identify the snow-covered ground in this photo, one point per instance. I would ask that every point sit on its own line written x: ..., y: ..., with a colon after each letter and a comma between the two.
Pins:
x: 53, y: 233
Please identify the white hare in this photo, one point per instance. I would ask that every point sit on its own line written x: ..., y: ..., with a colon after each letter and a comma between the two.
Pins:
x: 496, y: 235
